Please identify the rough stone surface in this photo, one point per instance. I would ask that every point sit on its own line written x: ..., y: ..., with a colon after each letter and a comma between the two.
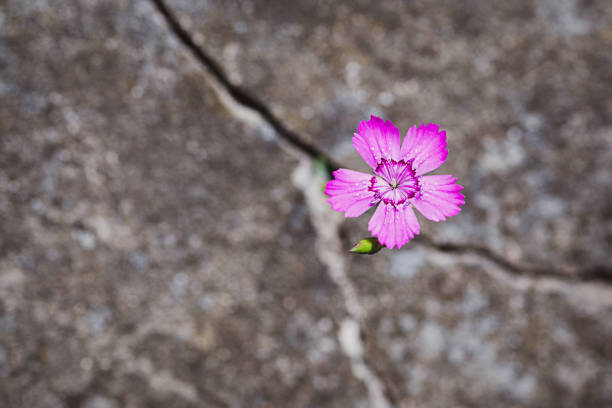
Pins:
x: 522, y: 88
x: 155, y: 250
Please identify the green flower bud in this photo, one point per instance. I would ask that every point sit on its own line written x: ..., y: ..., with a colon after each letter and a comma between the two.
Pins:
x: 367, y: 246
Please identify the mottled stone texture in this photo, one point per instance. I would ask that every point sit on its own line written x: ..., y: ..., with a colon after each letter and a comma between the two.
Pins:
x: 522, y: 87
x: 155, y: 252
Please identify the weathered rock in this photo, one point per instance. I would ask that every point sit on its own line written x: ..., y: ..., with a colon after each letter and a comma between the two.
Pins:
x: 156, y: 252
x: 521, y: 87
x: 454, y: 330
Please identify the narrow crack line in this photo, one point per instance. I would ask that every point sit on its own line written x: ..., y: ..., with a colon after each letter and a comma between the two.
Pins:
x: 240, y: 95
x: 352, y: 335
x: 352, y: 331
x: 462, y: 248
x: 597, y: 274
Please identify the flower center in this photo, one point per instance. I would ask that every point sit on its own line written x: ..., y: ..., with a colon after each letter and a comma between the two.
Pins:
x: 394, y: 182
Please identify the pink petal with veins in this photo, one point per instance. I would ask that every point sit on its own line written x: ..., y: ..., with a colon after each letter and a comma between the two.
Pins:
x: 376, y: 139
x: 439, y: 197
x: 427, y: 146
x: 349, y: 192
x: 394, y: 226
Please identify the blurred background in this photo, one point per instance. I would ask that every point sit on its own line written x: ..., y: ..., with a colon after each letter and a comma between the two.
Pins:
x: 163, y: 245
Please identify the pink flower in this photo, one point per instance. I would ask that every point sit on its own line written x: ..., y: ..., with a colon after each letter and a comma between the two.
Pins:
x: 398, y: 183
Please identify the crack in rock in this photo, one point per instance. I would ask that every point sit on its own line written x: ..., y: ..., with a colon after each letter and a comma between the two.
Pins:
x: 326, y: 223
x: 254, y: 113
x: 252, y: 110
x: 589, y: 296
x: 352, y: 346
x: 238, y: 94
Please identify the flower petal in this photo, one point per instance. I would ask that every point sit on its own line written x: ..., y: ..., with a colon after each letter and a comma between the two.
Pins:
x: 426, y: 145
x: 394, y: 226
x: 376, y: 139
x: 439, y: 198
x: 349, y: 192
